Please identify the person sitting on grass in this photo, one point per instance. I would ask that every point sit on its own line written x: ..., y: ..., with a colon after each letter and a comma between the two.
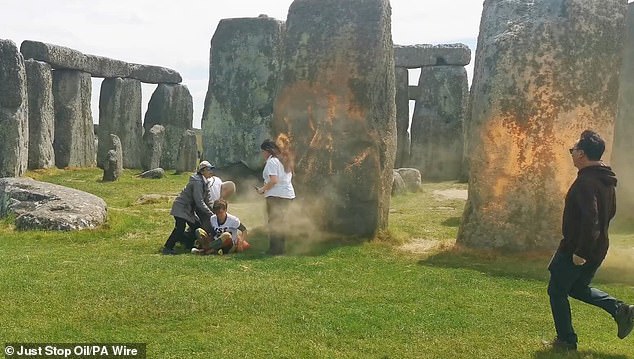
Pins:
x: 228, y: 233
x: 217, y: 189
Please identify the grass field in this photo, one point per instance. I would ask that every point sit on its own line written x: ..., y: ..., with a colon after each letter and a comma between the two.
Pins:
x: 409, y: 294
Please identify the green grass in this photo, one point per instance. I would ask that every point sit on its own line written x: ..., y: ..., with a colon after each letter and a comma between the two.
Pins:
x: 330, y: 299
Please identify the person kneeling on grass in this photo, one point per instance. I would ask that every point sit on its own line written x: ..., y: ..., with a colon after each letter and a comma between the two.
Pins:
x: 229, y: 234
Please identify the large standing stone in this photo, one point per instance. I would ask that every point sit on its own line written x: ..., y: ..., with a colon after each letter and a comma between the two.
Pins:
x: 14, y: 122
x: 187, y: 153
x: 170, y: 106
x: 74, y: 142
x: 153, y: 147
x: 544, y: 72
x: 402, y: 117
x: 336, y: 105
x: 64, y: 58
x: 120, y: 114
x: 41, y: 114
x: 623, y: 149
x: 437, y: 139
x: 243, y: 74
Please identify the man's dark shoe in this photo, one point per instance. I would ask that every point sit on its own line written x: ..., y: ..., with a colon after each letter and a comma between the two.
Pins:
x: 624, y: 320
x: 167, y: 251
x: 558, y: 344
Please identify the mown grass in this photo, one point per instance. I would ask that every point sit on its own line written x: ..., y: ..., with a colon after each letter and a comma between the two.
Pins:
x: 331, y: 299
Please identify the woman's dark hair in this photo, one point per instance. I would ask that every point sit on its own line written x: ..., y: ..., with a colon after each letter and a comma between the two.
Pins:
x: 281, y: 150
x: 592, y: 145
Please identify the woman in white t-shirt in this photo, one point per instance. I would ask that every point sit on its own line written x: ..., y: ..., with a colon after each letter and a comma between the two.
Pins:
x: 279, y: 192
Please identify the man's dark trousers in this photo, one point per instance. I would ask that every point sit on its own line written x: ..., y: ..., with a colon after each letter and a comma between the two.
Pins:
x: 568, y: 279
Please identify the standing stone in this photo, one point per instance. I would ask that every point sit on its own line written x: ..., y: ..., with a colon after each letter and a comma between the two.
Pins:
x: 398, y: 185
x: 111, y: 164
x: 243, y: 74
x: 336, y: 105
x: 41, y: 114
x: 622, y: 162
x: 113, y: 161
x: 170, y: 106
x: 74, y: 142
x: 437, y: 138
x: 411, y: 178
x: 14, y: 122
x: 153, y: 144
x: 402, y: 117
x: 120, y: 114
x: 544, y: 72
x: 187, y: 153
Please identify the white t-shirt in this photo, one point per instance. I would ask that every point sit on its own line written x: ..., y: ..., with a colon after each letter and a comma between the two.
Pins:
x: 231, y: 225
x: 283, y: 188
x: 215, y: 186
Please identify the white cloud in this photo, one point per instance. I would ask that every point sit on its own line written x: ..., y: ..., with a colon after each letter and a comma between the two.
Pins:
x: 177, y: 34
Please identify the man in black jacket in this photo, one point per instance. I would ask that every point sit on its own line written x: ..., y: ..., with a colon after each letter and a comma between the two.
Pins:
x: 589, y: 207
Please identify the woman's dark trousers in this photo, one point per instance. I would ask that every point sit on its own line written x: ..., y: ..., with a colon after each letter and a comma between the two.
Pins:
x: 277, y: 209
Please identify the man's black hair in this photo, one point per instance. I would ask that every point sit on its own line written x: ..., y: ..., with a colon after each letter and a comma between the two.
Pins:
x: 591, y: 144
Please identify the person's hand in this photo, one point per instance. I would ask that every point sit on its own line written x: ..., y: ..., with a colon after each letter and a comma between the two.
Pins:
x: 578, y: 261
x: 260, y: 190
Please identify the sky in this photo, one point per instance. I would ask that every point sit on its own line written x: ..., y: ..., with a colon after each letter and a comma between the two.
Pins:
x: 177, y: 34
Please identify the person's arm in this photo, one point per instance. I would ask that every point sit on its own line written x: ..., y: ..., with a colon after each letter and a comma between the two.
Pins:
x: 270, y: 170
x: 199, y: 199
x: 244, y: 231
x: 589, y: 230
x: 268, y: 185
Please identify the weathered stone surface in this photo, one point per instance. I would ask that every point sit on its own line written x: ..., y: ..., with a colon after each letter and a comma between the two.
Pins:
x: 64, y: 58
x: 398, y: 185
x: 437, y: 138
x: 113, y: 162
x: 111, y: 170
x: 402, y: 117
x: 412, y: 178
x: 187, y: 153
x: 413, y: 56
x: 153, y: 144
x: 46, y: 206
x: 172, y: 107
x: 336, y: 105
x: 544, y: 72
x: 244, y: 69
x: 155, y: 173
x: 41, y: 114
x: 14, y: 122
x: 74, y: 142
x: 154, y: 74
x: 120, y: 114
x: 623, y: 149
